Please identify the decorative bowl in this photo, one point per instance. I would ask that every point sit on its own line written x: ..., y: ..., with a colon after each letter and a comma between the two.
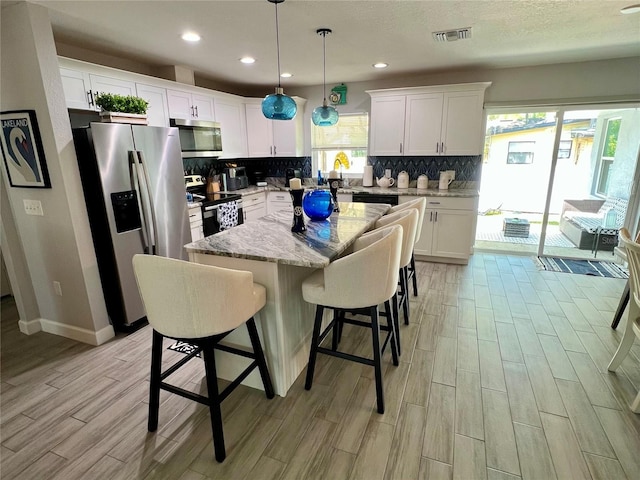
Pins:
x: 317, y: 204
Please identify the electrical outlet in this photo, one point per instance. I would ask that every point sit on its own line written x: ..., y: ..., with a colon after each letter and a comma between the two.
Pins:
x: 33, y: 207
x: 57, y: 288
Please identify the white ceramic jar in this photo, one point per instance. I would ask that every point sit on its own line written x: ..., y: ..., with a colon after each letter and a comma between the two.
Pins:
x: 423, y: 182
x: 403, y: 180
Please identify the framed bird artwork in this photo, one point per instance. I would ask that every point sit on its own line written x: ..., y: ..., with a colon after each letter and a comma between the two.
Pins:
x: 22, y: 150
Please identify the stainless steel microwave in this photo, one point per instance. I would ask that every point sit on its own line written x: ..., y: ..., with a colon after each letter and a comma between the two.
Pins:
x: 198, y: 138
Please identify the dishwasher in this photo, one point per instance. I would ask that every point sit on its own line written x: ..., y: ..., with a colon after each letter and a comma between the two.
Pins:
x: 364, y: 197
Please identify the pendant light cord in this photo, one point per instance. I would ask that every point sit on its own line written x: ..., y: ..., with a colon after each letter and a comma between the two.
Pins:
x: 278, y: 45
x: 324, y: 67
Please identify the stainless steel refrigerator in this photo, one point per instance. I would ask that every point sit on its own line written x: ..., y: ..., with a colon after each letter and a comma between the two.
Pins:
x: 133, y: 183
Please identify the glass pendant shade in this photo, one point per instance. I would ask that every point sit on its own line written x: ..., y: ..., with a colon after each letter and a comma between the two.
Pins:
x: 324, y: 116
x: 278, y: 106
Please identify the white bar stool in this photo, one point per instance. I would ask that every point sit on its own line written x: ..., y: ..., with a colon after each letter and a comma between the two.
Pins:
x: 421, y: 205
x: 408, y: 220
x: 357, y: 282
x: 632, y: 330
x: 199, y: 304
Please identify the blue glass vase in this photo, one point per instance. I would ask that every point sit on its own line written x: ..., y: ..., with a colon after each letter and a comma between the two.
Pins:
x: 317, y: 204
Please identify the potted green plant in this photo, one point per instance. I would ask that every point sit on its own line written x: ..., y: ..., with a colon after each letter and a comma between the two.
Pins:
x: 122, y: 109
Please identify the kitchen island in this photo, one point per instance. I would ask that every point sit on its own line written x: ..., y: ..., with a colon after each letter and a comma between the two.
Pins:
x: 280, y: 260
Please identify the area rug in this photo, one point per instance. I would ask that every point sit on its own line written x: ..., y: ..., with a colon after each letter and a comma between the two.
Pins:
x: 183, y: 347
x: 594, y: 268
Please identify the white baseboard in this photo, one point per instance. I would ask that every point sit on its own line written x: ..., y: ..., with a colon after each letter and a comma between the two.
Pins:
x: 69, y: 331
x: 30, y: 327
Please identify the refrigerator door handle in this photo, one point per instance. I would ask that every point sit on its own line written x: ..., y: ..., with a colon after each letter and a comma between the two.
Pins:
x: 153, y: 228
x: 135, y: 182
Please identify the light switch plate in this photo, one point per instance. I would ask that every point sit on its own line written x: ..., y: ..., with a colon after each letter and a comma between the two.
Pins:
x: 33, y: 207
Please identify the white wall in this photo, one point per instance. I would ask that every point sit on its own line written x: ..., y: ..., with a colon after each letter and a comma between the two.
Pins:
x: 583, y: 82
x: 58, y: 245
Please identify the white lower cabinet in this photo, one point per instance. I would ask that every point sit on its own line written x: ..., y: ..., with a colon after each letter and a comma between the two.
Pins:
x: 195, y: 223
x: 448, y: 227
x: 279, y: 202
x: 254, y: 206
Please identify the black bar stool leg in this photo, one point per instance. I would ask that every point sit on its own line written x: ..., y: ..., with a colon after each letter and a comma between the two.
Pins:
x: 214, y: 400
x: 314, y: 347
x: 621, y: 306
x: 404, y: 288
x: 377, y: 361
x: 154, y: 381
x: 335, y: 335
x: 415, y: 275
x: 395, y: 340
x: 260, y: 360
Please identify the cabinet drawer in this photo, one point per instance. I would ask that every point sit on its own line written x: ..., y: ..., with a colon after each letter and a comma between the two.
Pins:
x: 451, y: 203
x: 253, y: 199
x: 279, y: 197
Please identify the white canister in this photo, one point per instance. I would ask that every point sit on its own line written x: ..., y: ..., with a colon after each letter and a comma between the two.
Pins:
x: 423, y: 182
x: 403, y: 180
x: 367, y: 176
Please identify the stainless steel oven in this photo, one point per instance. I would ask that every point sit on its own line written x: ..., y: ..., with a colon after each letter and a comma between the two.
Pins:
x: 221, y: 211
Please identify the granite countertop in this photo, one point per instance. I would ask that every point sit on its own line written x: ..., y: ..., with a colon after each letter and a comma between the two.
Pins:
x: 270, y: 238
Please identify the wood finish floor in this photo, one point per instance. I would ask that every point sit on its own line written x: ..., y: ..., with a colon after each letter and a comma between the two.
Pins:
x: 503, y: 375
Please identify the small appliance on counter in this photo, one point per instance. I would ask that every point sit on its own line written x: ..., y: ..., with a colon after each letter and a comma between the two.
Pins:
x: 234, y: 178
x: 291, y: 173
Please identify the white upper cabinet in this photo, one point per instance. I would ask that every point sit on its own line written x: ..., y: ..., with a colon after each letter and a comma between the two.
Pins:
x: 438, y: 120
x: 187, y: 105
x: 158, y: 109
x: 77, y: 89
x: 80, y: 88
x: 274, y: 138
x: 386, y: 133
x: 231, y: 116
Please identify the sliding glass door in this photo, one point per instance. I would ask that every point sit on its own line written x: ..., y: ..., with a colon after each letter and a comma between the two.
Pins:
x: 592, y: 182
x: 559, y: 182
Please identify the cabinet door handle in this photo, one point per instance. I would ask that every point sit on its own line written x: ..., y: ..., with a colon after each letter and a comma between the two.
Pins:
x: 400, y: 147
x: 191, y: 108
x: 197, y: 111
x: 90, y: 98
x: 270, y: 149
x: 275, y: 152
x: 437, y: 147
x: 436, y: 216
x: 442, y: 147
x: 431, y: 217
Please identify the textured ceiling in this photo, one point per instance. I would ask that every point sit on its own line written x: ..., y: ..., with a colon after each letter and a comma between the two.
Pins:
x: 504, y: 34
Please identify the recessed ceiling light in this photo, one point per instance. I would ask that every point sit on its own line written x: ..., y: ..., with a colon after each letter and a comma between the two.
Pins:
x: 286, y: 75
x: 191, y: 37
x: 380, y: 65
x: 630, y: 9
x: 248, y: 60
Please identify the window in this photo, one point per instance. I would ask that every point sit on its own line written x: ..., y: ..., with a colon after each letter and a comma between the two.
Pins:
x: 350, y: 135
x: 520, y: 152
x: 610, y: 142
x: 564, y: 150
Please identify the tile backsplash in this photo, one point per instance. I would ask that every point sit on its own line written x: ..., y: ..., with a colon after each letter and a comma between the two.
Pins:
x: 468, y: 168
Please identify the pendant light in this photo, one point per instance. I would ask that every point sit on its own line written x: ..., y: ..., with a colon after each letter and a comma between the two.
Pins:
x: 278, y: 106
x: 325, y: 115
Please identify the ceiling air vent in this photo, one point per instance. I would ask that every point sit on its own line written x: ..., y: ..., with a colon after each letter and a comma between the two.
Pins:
x: 452, y: 35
